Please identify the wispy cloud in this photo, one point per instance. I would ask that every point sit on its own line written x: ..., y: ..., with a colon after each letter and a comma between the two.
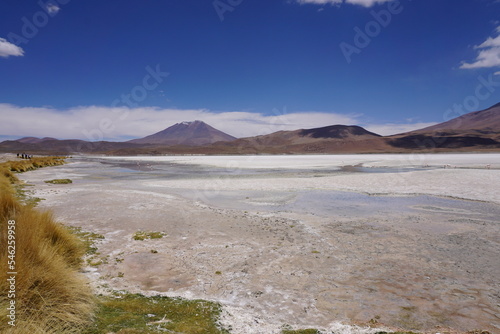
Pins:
x: 8, y: 49
x: 489, y: 53
x: 364, y: 3
x: 53, y: 8
x: 320, y: 2
x: 97, y: 122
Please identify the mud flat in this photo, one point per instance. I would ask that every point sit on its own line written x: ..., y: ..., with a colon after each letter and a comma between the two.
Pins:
x: 304, y: 242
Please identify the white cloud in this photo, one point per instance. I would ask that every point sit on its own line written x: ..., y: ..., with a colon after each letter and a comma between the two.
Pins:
x: 95, y: 122
x: 364, y: 3
x: 497, y: 73
x: 490, y: 42
x: 52, y: 8
x: 486, y: 58
x: 319, y: 2
x: 98, y: 123
x: 489, y: 54
x: 8, y: 49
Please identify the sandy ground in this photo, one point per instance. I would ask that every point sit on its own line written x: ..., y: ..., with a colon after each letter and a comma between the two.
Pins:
x: 426, y: 264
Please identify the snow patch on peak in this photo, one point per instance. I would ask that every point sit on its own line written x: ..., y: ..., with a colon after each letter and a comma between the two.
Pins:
x: 192, y: 122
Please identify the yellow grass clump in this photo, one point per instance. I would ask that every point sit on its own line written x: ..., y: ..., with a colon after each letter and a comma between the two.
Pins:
x: 49, y: 293
x: 33, y: 163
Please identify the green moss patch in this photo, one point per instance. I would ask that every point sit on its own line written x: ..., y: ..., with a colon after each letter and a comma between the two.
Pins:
x: 134, y: 313
x: 88, y: 238
x: 142, y: 235
x: 301, y: 331
x: 25, y: 196
x: 59, y: 181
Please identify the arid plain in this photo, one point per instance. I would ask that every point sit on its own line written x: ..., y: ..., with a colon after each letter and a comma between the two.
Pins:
x: 409, y: 241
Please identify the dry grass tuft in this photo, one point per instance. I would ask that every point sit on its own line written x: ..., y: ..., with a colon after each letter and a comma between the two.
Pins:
x: 51, y: 296
x: 33, y: 163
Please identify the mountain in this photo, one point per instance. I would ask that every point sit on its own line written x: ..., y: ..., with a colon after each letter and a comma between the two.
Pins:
x: 34, y: 140
x: 475, y: 130
x: 329, y: 139
x: 338, y: 132
x: 195, y: 133
x: 33, y: 145
x: 307, y: 136
x: 487, y: 120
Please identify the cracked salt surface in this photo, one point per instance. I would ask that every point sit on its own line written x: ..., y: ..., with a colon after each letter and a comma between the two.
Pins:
x: 311, y: 244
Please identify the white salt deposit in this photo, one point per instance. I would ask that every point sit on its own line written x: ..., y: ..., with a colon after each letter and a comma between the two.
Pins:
x: 465, y: 160
x: 466, y: 176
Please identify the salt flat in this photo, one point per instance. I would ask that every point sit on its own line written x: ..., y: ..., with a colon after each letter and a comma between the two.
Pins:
x: 309, y: 241
x: 467, y: 176
x: 465, y: 160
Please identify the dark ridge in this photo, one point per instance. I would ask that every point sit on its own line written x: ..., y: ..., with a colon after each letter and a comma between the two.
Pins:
x: 428, y: 142
x: 337, y: 131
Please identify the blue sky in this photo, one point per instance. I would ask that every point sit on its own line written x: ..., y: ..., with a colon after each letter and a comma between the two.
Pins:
x: 98, y: 69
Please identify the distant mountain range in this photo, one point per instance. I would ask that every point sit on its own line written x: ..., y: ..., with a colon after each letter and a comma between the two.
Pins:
x: 474, y: 131
x: 34, y: 140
